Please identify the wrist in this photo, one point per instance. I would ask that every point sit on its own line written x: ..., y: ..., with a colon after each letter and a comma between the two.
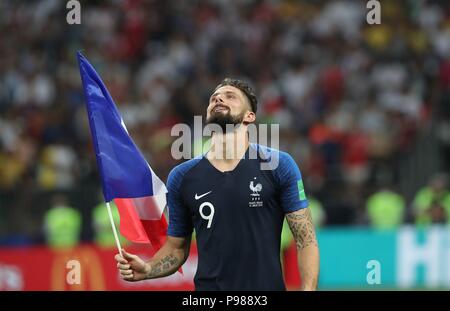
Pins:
x: 148, y: 269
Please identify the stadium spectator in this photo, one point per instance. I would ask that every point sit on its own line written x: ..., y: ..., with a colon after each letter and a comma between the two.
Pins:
x: 432, y: 203
x: 386, y: 210
x: 62, y: 224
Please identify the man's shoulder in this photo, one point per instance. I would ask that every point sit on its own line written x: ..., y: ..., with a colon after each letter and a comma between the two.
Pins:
x: 181, y: 169
x: 267, y: 154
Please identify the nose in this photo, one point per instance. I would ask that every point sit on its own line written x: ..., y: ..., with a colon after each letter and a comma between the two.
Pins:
x: 218, y: 99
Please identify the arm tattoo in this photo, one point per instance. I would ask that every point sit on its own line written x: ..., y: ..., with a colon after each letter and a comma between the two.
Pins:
x: 302, y: 228
x: 163, y: 267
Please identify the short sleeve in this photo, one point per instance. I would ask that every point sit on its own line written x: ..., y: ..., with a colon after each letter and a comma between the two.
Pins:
x: 180, y: 223
x: 290, y: 184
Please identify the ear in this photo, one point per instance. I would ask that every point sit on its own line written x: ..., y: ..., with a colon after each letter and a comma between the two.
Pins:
x: 250, y: 117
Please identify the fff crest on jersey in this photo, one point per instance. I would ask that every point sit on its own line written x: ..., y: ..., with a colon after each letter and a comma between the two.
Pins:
x: 255, y: 194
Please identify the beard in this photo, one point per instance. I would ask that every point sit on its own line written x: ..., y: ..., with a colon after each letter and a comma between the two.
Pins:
x: 222, y: 119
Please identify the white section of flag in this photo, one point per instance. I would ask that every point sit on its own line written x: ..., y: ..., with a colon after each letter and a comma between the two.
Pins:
x: 152, y: 207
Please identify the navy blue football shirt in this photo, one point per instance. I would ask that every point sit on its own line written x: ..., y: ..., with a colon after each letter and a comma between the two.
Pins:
x: 237, y: 216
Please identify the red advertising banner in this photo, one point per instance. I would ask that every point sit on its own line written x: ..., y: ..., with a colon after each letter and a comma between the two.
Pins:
x: 41, y: 268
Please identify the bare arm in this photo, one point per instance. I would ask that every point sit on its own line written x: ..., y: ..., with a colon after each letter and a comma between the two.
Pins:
x: 169, y: 258
x: 165, y: 262
x: 304, y: 234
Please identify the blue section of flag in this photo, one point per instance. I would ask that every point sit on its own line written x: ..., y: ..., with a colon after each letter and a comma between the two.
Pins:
x: 124, y: 171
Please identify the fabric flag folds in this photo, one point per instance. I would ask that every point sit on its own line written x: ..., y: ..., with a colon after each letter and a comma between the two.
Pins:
x: 126, y: 177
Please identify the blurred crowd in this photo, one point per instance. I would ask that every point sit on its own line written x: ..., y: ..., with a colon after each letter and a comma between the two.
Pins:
x: 351, y: 99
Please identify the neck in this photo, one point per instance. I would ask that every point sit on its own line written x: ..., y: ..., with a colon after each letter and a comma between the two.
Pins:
x: 229, y: 147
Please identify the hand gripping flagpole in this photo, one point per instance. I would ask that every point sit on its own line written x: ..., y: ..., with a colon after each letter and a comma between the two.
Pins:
x: 116, y: 237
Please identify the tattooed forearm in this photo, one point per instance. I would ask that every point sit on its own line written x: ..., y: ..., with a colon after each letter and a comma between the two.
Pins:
x: 302, y: 228
x: 163, y: 267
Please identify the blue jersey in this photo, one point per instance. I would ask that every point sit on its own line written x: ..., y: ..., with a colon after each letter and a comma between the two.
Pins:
x: 237, y: 216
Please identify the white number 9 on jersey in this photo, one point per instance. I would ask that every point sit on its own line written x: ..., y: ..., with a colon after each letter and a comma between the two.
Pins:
x: 208, y: 217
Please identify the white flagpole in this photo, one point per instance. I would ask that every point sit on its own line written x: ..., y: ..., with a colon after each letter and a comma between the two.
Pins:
x: 116, y: 237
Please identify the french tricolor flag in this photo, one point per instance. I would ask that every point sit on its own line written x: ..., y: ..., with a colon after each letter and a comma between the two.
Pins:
x: 126, y: 177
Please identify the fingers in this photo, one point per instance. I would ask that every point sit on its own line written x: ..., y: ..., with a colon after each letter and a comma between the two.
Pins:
x: 127, y: 275
x: 120, y: 259
x: 122, y: 266
x: 128, y: 255
x: 126, y: 272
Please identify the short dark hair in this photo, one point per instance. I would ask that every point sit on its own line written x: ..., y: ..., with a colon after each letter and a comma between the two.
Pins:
x: 244, y: 87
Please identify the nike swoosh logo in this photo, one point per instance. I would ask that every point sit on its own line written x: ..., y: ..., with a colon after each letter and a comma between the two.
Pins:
x: 201, y: 196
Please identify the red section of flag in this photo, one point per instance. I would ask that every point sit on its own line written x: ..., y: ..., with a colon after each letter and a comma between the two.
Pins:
x: 139, y: 230
x: 156, y: 231
x: 130, y: 225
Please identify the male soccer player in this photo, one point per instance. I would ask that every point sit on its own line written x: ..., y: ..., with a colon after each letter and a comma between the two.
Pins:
x: 236, y: 208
